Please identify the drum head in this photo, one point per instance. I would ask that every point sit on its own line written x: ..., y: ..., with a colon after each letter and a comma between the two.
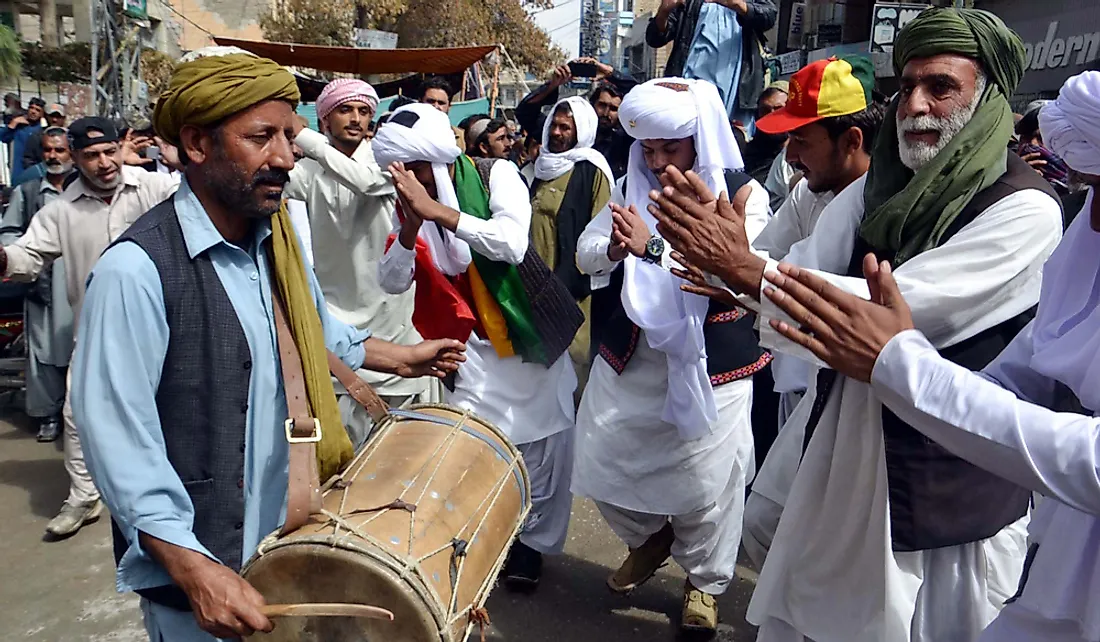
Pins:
x: 310, y: 573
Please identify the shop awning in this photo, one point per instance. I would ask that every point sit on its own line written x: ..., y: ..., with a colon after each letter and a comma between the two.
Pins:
x: 352, y: 60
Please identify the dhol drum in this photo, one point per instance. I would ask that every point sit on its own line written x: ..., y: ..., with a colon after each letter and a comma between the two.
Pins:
x: 419, y: 523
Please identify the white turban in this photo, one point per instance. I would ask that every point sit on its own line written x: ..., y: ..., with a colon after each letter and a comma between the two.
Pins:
x: 421, y: 133
x: 549, y: 166
x: 1071, y: 124
x: 669, y: 109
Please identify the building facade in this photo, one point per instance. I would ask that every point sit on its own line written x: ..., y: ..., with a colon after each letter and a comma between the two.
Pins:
x: 1061, y: 39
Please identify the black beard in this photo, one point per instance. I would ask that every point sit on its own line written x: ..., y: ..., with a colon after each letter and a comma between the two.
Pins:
x: 233, y: 187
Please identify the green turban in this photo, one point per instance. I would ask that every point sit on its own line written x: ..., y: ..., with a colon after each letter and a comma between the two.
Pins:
x: 208, y: 89
x: 907, y: 213
x: 968, y: 32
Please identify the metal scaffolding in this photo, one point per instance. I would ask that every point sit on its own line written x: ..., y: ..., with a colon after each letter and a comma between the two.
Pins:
x: 117, y: 88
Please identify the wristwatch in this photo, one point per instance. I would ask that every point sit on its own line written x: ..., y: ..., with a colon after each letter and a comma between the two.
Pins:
x: 654, y: 250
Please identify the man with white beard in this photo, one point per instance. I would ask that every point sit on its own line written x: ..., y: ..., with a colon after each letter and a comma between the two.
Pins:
x: 1003, y: 419
x: 886, y: 536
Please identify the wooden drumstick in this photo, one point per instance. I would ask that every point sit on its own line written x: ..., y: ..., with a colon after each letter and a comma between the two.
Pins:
x: 327, y: 610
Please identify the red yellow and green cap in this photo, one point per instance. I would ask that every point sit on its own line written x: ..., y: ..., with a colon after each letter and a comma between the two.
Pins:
x: 824, y: 89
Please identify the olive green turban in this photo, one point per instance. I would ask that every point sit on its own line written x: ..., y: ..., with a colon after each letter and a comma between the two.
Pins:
x: 207, y: 89
x: 910, y: 212
x: 968, y: 32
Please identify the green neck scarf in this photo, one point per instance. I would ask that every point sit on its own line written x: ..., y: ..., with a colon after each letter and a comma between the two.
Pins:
x: 908, y: 213
x: 501, y: 279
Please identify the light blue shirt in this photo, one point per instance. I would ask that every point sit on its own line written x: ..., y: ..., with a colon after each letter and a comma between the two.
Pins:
x: 116, y: 371
x: 715, y: 53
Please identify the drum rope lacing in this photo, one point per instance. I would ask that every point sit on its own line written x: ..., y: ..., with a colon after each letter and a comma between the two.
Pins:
x: 458, y: 575
x: 476, y: 614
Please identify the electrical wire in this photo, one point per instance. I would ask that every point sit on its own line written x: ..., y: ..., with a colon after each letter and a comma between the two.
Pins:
x: 195, y: 24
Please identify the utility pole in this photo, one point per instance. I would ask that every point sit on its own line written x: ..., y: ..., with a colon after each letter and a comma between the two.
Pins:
x: 116, y: 61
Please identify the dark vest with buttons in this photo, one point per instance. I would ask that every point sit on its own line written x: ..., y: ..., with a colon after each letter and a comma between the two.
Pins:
x: 733, y: 349
x: 202, y: 399
x: 936, y: 499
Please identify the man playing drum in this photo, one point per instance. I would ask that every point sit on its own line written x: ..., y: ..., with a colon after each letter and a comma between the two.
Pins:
x: 176, y: 379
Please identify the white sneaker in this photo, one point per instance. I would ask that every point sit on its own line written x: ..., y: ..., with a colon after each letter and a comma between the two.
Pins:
x: 72, y: 518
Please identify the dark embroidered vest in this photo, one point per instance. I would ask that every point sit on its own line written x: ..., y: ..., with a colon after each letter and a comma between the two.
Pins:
x: 202, y: 399
x: 937, y: 499
x: 733, y: 349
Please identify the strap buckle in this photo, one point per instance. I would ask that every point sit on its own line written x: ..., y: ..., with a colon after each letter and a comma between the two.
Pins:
x: 313, y: 438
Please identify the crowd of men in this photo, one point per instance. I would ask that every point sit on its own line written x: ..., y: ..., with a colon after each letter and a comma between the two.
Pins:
x: 646, y: 292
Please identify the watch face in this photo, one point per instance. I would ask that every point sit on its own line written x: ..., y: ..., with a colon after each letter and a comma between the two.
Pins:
x: 655, y: 247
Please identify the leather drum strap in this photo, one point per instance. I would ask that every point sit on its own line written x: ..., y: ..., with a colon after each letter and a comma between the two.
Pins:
x: 359, y: 390
x: 303, y: 493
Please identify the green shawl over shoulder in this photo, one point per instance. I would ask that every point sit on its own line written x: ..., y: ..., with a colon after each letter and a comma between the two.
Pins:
x: 501, y: 279
x: 906, y: 212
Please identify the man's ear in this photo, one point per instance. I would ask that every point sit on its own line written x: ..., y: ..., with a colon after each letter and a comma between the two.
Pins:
x: 852, y: 140
x: 194, y: 143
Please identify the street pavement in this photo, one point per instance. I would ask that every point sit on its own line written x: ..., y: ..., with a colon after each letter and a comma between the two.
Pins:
x: 64, y: 591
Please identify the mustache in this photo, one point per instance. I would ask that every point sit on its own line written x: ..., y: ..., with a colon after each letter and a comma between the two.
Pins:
x: 276, y: 177
x: 922, y: 123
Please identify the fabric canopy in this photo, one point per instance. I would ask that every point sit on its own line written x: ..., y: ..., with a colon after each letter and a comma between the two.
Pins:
x: 352, y: 60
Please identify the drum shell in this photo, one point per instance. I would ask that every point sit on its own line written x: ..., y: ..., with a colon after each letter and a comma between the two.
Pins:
x: 468, y: 484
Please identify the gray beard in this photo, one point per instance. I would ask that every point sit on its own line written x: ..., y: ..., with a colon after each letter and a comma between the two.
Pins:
x: 917, y: 155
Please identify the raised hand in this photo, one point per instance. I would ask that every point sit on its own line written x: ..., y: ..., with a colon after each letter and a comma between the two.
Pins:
x: 843, y: 330
x: 708, y: 231
x: 629, y: 233
x: 1035, y: 160
x: 560, y: 76
x: 414, y: 198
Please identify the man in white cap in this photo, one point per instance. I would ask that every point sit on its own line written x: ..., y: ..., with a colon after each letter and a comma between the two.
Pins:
x: 464, y: 239
x: 664, y: 441
x: 1001, y: 419
x: 572, y: 184
x: 350, y: 204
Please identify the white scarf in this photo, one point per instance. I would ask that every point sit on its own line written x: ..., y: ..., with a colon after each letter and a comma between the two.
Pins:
x: 671, y: 318
x: 430, y: 139
x: 549, y: 166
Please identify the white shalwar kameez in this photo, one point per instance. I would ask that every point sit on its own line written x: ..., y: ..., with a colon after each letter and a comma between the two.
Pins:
x: 783, y: 240
x: 999, y: 419
x: 531, y: 404
x: 640, y: 469
x: 831, y: 574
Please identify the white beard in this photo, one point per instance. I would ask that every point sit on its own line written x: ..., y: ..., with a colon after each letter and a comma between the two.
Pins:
x: 918, y: 154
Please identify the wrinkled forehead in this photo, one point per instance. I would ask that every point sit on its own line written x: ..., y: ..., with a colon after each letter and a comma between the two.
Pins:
x: 956, y: 68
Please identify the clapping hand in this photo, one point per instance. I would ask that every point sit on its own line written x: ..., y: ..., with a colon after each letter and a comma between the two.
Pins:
x: 629, y: 233
x: 707, y: 231
x: 843, y: 330
x: 415, y: 200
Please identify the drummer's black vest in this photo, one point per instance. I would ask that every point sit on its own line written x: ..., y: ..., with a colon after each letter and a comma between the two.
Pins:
x: 733, y: 350
x: 937, y: 499
x: 202, y: 399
